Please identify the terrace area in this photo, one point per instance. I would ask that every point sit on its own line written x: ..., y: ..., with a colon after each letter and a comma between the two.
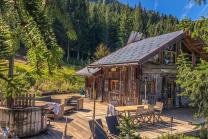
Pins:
x: 78, y: 127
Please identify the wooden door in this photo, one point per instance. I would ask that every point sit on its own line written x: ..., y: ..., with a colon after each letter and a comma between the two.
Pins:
x: 171, y: 94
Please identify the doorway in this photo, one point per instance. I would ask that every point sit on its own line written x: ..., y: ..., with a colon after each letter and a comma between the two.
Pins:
x: 169, y: 92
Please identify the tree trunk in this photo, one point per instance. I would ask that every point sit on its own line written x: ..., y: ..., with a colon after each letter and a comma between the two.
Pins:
x: 68, y: 54
x: 78, y: 54
x: 11, y: 66
x: 10, y: 74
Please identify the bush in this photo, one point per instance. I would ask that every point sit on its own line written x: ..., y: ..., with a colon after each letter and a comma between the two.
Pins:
x: 177, y: 136
x: 128, y: 128
x: 203, y: 133
x: 62, y: 79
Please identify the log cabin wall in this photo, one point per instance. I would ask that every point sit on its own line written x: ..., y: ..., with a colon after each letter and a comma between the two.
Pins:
x: 89, y: 86
x: 126, y: 82
x: 120, y: 83
x: 160, y: 73
x: 160, y: 81
x: 99, y: 86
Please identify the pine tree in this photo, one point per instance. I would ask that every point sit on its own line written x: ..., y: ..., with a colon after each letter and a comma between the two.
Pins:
x: 78, y: 12
x: 137, y: 19
x: 26, y: 21
x: 125, y: 26
x: 6, y: 47
x: 101, y: 51
x: 195, y: 79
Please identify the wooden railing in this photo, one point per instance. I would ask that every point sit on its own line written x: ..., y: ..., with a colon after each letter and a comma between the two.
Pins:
x: 27, y: 100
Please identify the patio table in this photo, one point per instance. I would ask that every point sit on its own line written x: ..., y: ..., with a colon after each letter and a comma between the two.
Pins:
x: 148, y: 115
x: 41, y: 103
x: 126, y: 110
x: 130, y: 108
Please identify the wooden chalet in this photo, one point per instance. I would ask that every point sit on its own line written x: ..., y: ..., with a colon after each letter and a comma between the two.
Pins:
x: 145, y: 64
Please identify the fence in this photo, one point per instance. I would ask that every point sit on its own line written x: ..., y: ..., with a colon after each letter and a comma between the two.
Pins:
x: 27, y: 100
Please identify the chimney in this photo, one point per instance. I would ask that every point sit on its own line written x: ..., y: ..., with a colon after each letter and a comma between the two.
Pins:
x: 134, y: 37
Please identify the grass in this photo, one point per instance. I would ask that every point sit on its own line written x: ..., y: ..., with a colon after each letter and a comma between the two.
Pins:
x: 177, y: 136
x: 62, y: 79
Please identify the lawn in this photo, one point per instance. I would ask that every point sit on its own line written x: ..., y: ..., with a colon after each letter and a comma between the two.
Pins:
x: 62, y: 79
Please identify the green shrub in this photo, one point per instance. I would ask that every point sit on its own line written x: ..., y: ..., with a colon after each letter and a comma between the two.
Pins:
x: 176, y: 136
x: 62, y: 79
x: 203, y: 133
x: 128, y: 128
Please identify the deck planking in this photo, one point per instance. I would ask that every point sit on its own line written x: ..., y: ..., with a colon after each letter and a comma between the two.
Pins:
x: 78, y: 127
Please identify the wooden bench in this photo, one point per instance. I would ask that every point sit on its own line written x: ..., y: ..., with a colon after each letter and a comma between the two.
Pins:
x: 68, y: 109
x: 77, y: 102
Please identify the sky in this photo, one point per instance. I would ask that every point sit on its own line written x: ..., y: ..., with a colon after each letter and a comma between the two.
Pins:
x: 178, y: 8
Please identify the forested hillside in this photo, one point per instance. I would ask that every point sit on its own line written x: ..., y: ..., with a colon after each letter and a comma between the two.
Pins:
x: 81, y: 25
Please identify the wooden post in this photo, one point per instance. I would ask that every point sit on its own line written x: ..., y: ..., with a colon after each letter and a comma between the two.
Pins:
x: 156, y: 89
x: 139, y: 72
x: 120, y: 86
x: 65, y: 130
x: 171, y: 124
x: 94, y: 103
x: 145, y: 89
x: 177, y: 51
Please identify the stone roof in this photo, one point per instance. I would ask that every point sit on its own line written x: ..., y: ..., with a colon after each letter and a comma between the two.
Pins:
x: 140, y: 51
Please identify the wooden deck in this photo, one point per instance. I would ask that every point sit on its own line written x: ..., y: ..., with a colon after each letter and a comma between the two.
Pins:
x: 78, y: 123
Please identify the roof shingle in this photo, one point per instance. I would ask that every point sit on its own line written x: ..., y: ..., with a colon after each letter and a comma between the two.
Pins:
x: 137, y: 51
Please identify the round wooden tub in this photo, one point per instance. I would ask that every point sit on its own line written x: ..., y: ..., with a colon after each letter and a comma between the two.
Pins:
x: 24, y: 122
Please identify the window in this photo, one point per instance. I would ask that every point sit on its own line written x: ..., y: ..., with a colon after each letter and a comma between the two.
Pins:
x: 113, y: 69
x: 169, y: 55
x: 155, y: 59
x: 114, y: 85
x: 151, y: 87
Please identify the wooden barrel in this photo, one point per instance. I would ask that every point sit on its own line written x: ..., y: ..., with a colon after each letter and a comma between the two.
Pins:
x: 24, y: 122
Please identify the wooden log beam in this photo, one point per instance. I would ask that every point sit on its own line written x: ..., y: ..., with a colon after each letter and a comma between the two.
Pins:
x: 197, y: 49
x: 190, y: 46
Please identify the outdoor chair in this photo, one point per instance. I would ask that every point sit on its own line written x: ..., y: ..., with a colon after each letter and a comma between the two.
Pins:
x: 111, y: 108
x: 60, y: 114
x: 129, y: 103
x: 158, y: 110
x: 114, y: 103
x: 148, y: 114
x: 75, y: 101
x: 99, y: 132
x: 138, y: 115
x: 112, y: 123
x: 69, y: 109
